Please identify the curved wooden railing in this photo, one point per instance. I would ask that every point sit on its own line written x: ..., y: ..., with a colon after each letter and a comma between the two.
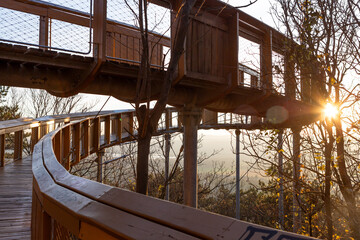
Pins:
x: 69, y: 207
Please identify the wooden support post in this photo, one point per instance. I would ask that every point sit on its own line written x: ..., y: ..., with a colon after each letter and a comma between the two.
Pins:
x: 96, y: 134
x: 266, y: 62
x: 119, y: 127
x: 237, y: 133
x: 167, y: 157
x: 85, y: 138
x: 2, y: 150
x: 44, y: 31
x: 35, y: 136
x: 99, y: 25
x: 131, y: 123
x: 107, y: 130
x: 190, y: 117
x: 18, y: 145
x: 296, y: 180
x: 44, y: 129
x: 167, y: 119
x: 58, y: 146
x: 66, y: 148
x: 289, y: 78
x: 281, y: 182
x: 76, y: 143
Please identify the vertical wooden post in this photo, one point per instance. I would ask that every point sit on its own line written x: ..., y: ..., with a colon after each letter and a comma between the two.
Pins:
x: 66, y: 147
x: 266, y: 62
x: 290, y: 81
x: 58, y: 146
x: 296, y: 179
x: 281, y: 182
x: 85, y: 138
x: 119, y: 127
x: 44, y: 31
x: 35, y: 136
x: 96, y: 134
x: 18, y: 145
x: 190, y: 118
x: 167, y: 119
x: 107, y: 129
x: 237, y: 133
x: 131, y: 123
x: 76, y: 143
x: 44, y: 129
x: 167, y: 157
x: 99, y: 24
x: 2, y: 150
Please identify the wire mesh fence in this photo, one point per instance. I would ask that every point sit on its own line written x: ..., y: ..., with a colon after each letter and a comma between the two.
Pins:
x: 16, y: 26
x: 40, y: 26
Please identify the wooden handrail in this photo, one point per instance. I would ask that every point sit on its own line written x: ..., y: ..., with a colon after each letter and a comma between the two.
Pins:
x: 90, y: 210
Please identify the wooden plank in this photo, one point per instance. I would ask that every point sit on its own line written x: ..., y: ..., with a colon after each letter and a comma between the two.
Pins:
x: 214, y: 51
x: 208, y: 49
x: 18, y: 145
x: 76, y: 143
x: 123, y: 46
x: 58, y: 146
x: 194, y: 47
x: 107, y: 130
x: 2, y: 150
x: 65, y: 160
x: 99, y: 25
x: 85, y: 135
x: 266, y: 62
x: 95, y: 134
x: 130, y: 48
x: 232, y: 50
x: 15, y: 200
x: 35, y: 136
x: 201, y: 47
x: 119, y: 127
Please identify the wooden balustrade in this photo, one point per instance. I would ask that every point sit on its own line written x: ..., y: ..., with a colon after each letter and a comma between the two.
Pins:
x: 66, y: 206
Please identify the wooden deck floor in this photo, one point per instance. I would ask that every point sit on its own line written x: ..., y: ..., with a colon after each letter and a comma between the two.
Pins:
x: 15, y: 200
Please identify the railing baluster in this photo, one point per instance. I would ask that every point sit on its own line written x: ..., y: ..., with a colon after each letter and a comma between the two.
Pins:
x: 86, y: 140
x: 58, y: 146
x: 119, y: 127
x: 76, y: 143
x: 66, y: 147
x: 96, y: 134
x: 35, y: 135
x: 18, y: 145
x: 107, y: 129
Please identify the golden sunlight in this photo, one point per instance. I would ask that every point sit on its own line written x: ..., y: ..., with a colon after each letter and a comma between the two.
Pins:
x: 330, y: 110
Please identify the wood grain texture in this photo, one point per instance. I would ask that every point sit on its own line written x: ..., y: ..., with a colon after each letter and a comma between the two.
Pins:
x: 15, y: 200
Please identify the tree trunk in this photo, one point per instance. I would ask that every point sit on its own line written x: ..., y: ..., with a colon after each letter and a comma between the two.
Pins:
x: 347, y: 189
x: 142, y: 165
x: 328, y: 173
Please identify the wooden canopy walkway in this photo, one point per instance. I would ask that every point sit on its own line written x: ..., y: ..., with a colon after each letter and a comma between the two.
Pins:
x: 68, y: 207
x: 15, y: 200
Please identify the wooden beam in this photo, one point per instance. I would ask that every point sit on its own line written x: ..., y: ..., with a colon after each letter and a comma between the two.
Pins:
x: 66, y: 147
x: 266, y: 62
x: 35, y: 136
x: 18, y: 145
x: 107, y: 129
x: 85, y: 135
x: 99, y: 25
x: 76, y: 143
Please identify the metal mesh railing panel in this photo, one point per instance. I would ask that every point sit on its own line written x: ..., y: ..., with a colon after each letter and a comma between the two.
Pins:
x: 19, y: 26
x: 69, y: 36
x: 126, y: 11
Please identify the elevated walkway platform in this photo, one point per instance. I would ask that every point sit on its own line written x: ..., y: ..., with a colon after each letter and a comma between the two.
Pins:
x: 15, y: 200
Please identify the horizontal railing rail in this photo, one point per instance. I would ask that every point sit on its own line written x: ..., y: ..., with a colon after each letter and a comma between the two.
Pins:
x: 66, y: 206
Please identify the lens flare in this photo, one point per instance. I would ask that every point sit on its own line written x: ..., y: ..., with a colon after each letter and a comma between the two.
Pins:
x: 330, y: 111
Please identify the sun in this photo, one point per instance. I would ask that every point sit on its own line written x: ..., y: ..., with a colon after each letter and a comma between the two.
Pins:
x: 330, y: 111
